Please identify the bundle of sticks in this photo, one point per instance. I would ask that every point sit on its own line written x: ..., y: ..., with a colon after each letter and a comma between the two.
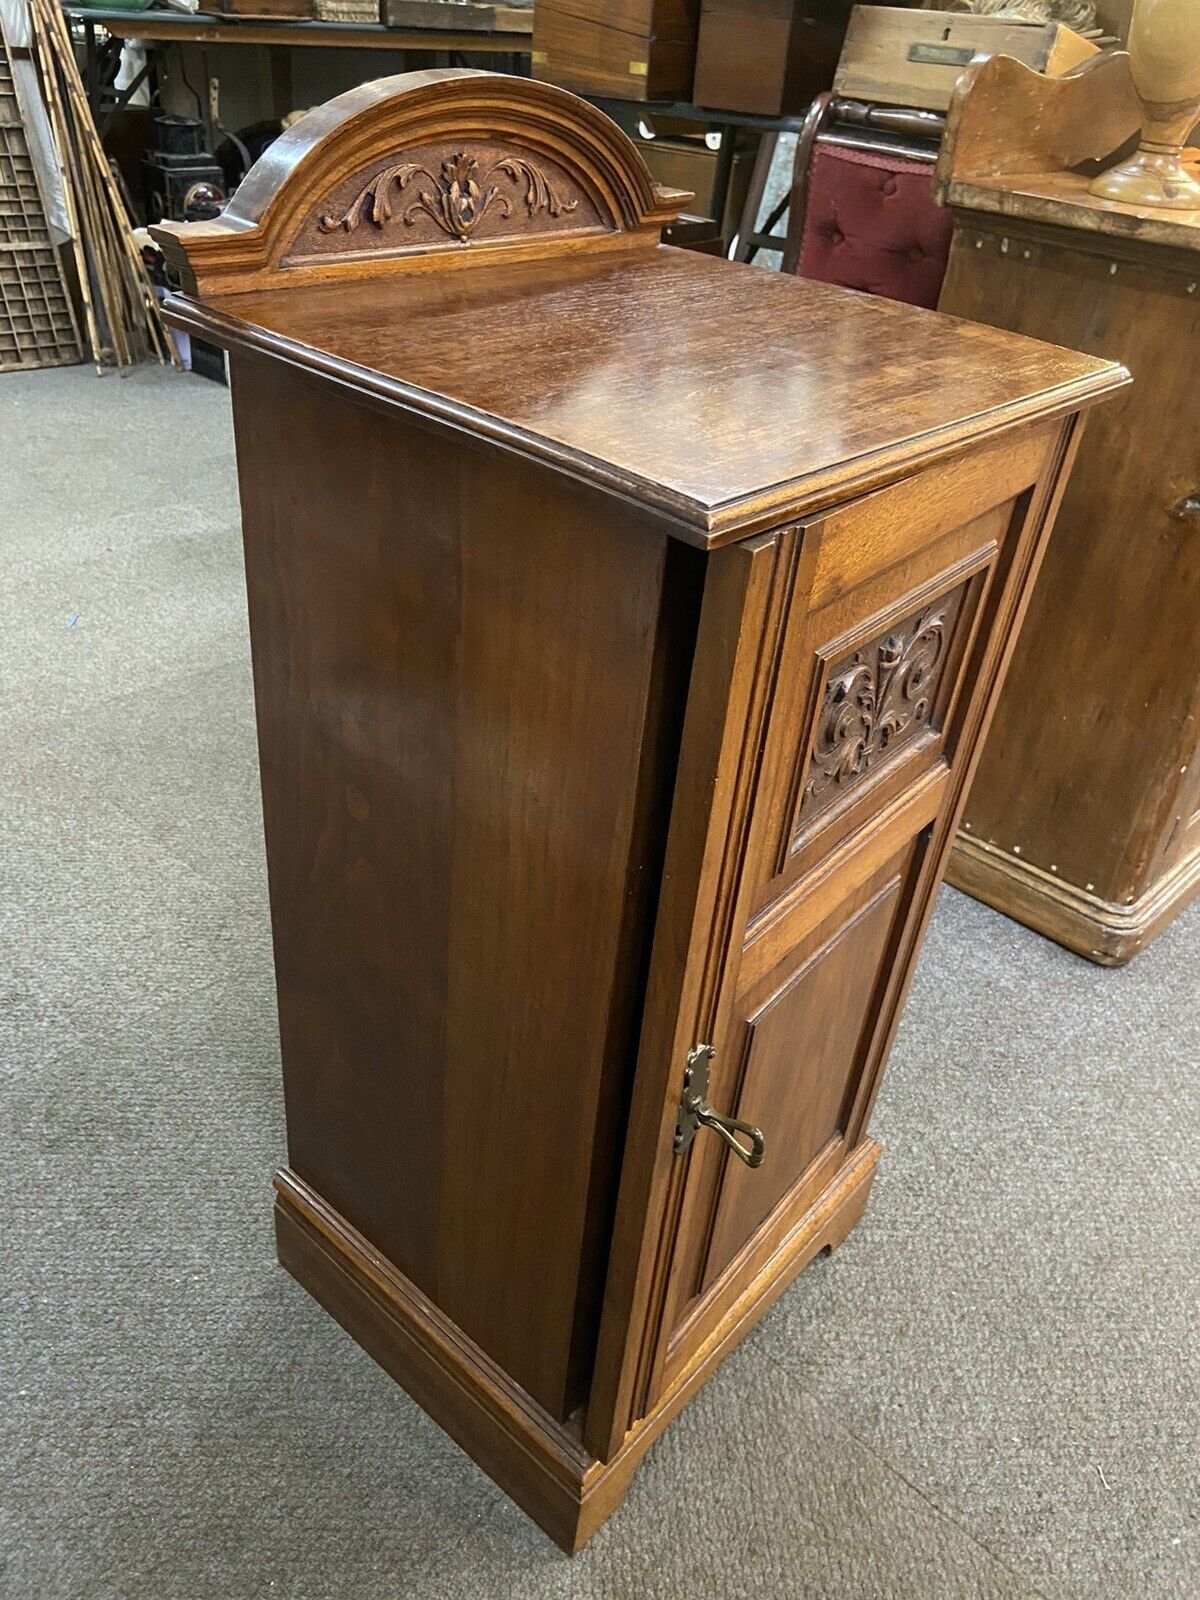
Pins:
x: 120, y: 312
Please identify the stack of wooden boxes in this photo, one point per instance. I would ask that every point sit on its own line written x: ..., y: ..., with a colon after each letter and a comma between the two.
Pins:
x: 773, y: 57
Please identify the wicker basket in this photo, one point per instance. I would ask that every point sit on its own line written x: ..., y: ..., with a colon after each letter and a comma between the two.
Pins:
x: 346, y: 10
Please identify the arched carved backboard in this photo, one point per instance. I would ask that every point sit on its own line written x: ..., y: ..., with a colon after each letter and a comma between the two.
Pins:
x: 426, y: 164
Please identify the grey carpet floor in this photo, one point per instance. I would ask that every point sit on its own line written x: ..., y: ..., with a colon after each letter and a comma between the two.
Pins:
x: 991, y: 1391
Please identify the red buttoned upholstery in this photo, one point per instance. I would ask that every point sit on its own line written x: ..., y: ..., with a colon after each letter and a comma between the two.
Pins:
x: 871, y: 223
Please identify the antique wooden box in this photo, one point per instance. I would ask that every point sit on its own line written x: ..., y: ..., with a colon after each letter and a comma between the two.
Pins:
x: 899, y: 57
x: 1084, y: 820
x: 632, y: 49
x: 767, y: 56
x: 473, y: 16
x: 624, y: 623
x: 266, y: 8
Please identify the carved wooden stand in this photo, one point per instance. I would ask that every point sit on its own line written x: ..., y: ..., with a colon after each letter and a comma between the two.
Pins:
x: 624, y: 624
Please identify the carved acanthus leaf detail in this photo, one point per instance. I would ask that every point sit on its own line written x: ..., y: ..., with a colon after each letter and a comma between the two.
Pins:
x: 458, y: 199
x: 876, y: 698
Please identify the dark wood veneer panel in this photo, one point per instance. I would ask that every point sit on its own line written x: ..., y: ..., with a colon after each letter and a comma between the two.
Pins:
x: 459, y: 676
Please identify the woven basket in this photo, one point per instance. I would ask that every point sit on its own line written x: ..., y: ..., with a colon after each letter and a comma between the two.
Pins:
x: 346, y: 10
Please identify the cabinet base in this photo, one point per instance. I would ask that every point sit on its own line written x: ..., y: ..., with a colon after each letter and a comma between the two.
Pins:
x: 1102, y: 930
x: 540, y: 1463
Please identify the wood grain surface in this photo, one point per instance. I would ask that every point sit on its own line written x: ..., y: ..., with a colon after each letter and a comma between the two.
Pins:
x: 725, y: 396
x: 462, y: 749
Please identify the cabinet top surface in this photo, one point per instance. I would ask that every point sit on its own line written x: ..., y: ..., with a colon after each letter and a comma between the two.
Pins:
x: 1063, y: 200
x: 721, y: 394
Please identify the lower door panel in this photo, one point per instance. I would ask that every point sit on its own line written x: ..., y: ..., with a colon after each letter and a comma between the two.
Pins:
x: 805, y: 1043
x: 802, y: 1044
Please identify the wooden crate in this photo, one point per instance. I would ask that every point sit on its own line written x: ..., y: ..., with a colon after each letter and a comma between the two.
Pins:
x: 349, y: 11
x: 463, y: 16
x: 767, y: 56
x: 297, y: 9
x: 634, y: 49
x: 914, y: 58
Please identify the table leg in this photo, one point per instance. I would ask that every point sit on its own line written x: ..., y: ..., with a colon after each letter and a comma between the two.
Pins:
x: 767, y: 143
x: 722, y: 177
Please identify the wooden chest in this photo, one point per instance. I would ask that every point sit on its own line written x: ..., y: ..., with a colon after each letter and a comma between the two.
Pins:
x: 687, y: 164
x: 624, y: 624
x: 633, y: 49
x: 767, y: 56
x: 900, y: 57
x: 469, y: 16
x: 1084, y: 821
x: 266, y: 8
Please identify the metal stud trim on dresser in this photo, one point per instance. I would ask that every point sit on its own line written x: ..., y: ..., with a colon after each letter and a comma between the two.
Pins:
x: 534, y: 707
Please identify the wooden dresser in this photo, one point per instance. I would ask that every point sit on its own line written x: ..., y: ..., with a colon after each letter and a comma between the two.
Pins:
x: 1084, y: 820
x: 624, y: 623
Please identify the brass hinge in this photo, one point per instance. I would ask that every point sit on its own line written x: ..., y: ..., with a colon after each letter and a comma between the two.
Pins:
x: 695, y: 1112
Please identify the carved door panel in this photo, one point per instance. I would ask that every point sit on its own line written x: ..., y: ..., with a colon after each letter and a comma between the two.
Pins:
x: 875, y: 672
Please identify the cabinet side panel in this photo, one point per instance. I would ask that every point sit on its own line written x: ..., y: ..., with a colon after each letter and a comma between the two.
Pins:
x: 457, y: 661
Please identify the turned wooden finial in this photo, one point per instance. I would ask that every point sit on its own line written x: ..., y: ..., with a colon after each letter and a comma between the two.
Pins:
x: 1164, y: 58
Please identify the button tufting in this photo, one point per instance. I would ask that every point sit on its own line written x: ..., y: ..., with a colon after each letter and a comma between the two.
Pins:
x: 869, y: 221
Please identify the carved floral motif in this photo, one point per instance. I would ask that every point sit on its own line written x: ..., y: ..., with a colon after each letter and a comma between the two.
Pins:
x: 459, y: 198
x: 877, y: 698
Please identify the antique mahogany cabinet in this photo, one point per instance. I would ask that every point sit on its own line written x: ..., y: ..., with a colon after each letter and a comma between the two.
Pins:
x: 1084, y: 819
x: 624, y: 625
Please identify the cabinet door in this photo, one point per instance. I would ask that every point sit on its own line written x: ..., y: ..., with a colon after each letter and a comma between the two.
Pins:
x: 869, y: 664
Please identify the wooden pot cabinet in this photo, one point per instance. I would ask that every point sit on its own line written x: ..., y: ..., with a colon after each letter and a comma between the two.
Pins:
x: 624, y: 624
